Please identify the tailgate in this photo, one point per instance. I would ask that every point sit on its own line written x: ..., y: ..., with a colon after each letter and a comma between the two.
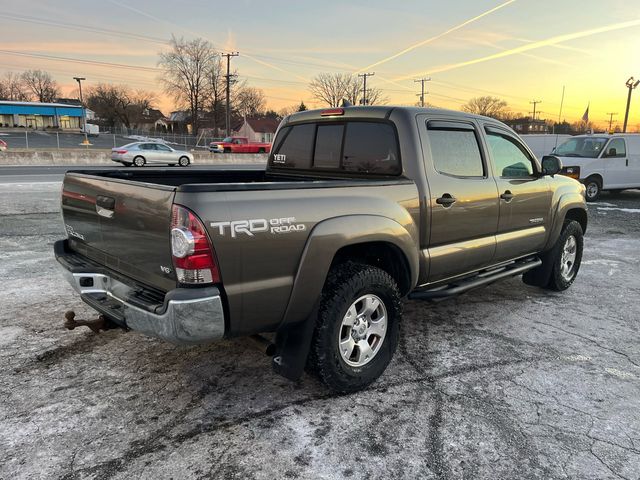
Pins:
x: 122, y: 225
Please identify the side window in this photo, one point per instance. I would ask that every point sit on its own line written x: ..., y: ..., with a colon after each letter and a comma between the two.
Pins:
x: 616, y: 148
x: 328, y: 146
x: 372, y: 148
x: 455, y: 151
x: 163, y: 148
x: 294, y: 147
x: 509, y: 157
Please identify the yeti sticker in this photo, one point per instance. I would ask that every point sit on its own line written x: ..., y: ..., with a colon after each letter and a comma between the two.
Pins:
x: 280, y: 158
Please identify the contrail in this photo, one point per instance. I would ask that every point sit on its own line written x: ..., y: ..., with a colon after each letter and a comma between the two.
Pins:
x: 433, y: 39
x: 530, y: 46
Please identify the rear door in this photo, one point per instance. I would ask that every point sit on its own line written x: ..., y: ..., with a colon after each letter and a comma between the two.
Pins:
x: 524, y: 196
x: 463, y: 198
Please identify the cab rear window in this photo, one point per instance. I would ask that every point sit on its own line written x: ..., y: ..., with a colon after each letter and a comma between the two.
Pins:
x: 362, y: 147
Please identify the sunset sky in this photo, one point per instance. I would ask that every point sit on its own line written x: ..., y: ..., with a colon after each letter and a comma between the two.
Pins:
x: 518, y: 50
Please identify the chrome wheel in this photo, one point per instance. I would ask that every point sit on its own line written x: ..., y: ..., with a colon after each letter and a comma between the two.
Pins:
x: 568, y: 258
x: 362, y: 331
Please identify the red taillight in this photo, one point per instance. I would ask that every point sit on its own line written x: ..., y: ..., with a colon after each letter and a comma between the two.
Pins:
x: 332, y: 111
x: 120, y: 152
x: 193, y: 256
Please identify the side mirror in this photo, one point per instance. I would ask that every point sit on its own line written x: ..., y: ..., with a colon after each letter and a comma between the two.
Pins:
x: 612, y: 152
x: 551, y: 165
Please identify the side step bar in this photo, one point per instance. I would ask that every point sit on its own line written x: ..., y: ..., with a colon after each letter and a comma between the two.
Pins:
x: 480, y: 280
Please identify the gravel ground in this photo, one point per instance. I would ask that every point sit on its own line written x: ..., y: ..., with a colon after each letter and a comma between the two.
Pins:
x: 505, y: 382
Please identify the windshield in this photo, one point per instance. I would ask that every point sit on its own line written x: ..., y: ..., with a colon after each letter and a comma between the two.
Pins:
x: 227, y: 140
x: 589, y: 147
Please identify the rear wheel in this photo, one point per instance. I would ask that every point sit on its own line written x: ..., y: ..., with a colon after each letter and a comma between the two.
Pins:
x: 139, y: 161
x: 261, y: 150
x: 356, y: 331
x: 184, y: 161
x: 593, y: 187
x: 227, y: 150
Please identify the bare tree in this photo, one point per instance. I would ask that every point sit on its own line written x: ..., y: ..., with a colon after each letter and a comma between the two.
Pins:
x: 12, y: 88
x: 487, y: 106
x: 355, y: 93
x: 186, y: 67
x: 117, y: 104
x: 330, y: 88
x: 249, y: 101
x: 41, y: 84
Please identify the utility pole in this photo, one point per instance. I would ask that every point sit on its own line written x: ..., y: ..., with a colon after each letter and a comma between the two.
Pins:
x: 534, y: 103
x: 365, y: 100
x: 228, y: 77
x: 631, y: 86
x: 611, y: 115
x: 84, y: 113
x: 422, y: 92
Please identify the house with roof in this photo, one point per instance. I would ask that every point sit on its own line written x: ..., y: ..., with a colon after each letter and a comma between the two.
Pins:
x: 258, y: 129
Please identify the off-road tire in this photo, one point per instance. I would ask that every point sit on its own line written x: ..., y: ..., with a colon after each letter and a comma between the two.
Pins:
x: 593, y: 184
x: 139, y: 161
x: 557, y: 281
x: 345, y: 284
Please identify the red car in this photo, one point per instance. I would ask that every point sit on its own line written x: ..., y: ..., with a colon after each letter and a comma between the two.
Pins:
x: 3, y: 145
x: 239, y: 145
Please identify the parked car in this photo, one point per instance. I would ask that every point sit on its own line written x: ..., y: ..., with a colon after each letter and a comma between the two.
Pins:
x: 602, y: 162
x: 239, y: 145
x: 139, y: 154
x: 3, y: 146
x: 358, y: 208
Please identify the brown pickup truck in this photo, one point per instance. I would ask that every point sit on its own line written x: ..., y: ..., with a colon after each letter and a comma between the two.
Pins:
x: 358, y: 208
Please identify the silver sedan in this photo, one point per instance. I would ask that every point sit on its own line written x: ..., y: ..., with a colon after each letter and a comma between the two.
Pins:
x: 139, y: 154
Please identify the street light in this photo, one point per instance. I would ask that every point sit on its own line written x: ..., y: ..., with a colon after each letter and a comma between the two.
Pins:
x: 84, y: 115
x: 631, y: 85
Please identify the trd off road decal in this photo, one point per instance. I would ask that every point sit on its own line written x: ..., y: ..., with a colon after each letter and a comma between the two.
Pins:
x: 258, y: 225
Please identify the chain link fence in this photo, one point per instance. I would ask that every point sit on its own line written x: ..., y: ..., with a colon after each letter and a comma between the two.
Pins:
x: 45, y: 140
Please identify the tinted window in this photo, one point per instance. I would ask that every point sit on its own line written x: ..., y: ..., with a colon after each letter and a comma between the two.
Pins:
x: 294, y: 150
x: 456, y: 152
x: 509, y: 157
x: 618, y: 144
x: 328, y: 146
x: 371, y: 147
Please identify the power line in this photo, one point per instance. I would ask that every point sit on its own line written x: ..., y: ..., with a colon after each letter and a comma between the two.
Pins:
x: 422, y: 92
x: 228, y: 78
x: 611, y: 115
x: 365, y: 100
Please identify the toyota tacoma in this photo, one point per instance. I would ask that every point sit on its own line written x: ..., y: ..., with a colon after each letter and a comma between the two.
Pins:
x: 358, y: 208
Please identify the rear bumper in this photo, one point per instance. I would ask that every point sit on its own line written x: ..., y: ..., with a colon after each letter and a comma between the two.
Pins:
x: 184, y: 315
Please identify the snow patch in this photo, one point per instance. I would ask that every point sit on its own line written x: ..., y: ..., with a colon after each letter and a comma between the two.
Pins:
x: 9, y: 334
x: 627, y: 210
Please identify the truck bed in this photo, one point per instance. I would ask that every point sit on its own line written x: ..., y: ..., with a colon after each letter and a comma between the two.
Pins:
x: 191, y: 180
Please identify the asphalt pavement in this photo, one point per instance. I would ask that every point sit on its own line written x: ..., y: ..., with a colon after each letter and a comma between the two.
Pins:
x: 506, y: 382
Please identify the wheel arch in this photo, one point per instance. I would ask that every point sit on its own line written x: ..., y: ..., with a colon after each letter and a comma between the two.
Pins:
x: 375, y: 240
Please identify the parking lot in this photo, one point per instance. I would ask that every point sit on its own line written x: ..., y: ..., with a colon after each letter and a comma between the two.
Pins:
x: 505, y: 382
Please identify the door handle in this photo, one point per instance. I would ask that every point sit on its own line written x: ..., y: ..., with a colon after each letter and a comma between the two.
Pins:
x: 626, y: 161
x: 105, y: 206
x: 507, y: 196
x: 446, y: 200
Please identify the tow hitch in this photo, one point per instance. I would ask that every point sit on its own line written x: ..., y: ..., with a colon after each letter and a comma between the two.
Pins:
x: 95, y: 325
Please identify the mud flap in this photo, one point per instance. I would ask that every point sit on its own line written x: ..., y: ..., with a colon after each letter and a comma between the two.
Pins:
x: 540, y: 276
x: 292, y: 347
